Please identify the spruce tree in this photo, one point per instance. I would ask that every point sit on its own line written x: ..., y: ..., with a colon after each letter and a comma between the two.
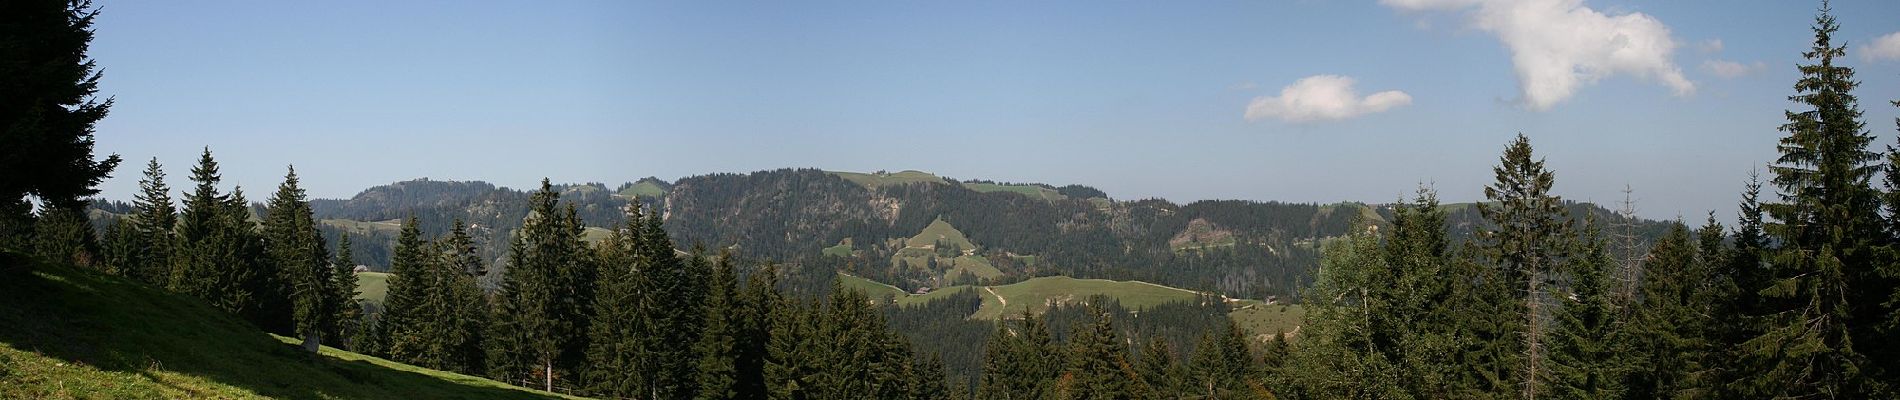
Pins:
x: 120, y: 248
x: 403, y: 325
x: 1158, y: 369
x: 348, y: 313
x: 1589, y: 355
x: 615, y: 365
x: 1825, y: 288
x: 153, y: 222
x: 465, y: 307
x: 757, y: 302
x: 545, y: 296
x: 718, y: 344
x: 63, y: 235
x: 49, y: 112
x: 1530, y: 237
x: 297, y: 250
x: 1098, y: 366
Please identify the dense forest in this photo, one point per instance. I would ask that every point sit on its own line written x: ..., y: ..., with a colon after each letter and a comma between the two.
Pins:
x: 1523, y: 295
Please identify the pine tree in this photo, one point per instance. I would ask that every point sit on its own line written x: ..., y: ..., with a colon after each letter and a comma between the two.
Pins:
x: 219, y: 254
x: 465, y: 308
x: 1824, y: 289
x: 63, y: 235
x: 48, y: 114
x: 1223, y: 367
x: 297, y: 250
x: 349, y: 312
x: 119, y: 248
x: 790, y: 353
x: 718, y: 344
x: 1531, y: 234
x: 153, y: 224
x: 616, y: 366
x: 402, y: 327
x: 929, y: 382
x: 756, y: 328
x: 1021, y: 362
x: 1099, y: 363
x: 1589, y: 357
x: 1159, y: 370
x: 546, y: 295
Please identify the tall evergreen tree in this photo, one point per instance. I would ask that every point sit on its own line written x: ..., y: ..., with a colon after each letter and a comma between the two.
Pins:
x: 1099, y: 365
x: 718, y: 344
x: 1672, y: 319
x: 218, y: 254
x: 402, y: 325
x: 1021, y: 362
x: 1823, y: 288
x: 465, y: 307
x: 154, y: 221
x: 616, y: 366
x: 63, y: 235
x: 1530, y: 239
x: 1158, y: 369
x: 544, y: 301
x: 1589, y: 354
x: 49, y: 112
x: 757, y: 302
x: 348, y: 313
x: 297, y: 250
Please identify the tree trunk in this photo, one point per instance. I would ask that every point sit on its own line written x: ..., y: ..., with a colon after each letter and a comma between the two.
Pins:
x: 312, y: 341
x: 548, y: 374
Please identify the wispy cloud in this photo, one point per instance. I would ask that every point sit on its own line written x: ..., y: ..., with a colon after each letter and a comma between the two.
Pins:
x: 1710, y: 46
x: 1560, y: 46
x: 1730, y: 70
x: 1884, y: 48
x: 1322, y: 98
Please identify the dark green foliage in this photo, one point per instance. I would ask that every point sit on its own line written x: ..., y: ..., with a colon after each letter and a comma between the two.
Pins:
x: 1530, y: 239
x: 1825, y: 289
x: 62, y: 235
x: 545, y: 297
x: 219, y: 254
x: 403, y: 317
x: 302, y: 261
x: 154, y: 222
x: 348, y: 313
x: 1223, y: 367
x: 1159, y: 371
x: 1099, y: 365
x: 119, y: 249
x: 1589, y: 343
x: 1021, y: 362
x: 616, y: 366
x: 50, y: 109
x: 718, y: 346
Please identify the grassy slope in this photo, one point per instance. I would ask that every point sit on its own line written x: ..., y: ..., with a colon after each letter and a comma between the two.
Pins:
x: 896, y: 178
x: 67, y: 333
x: 940, y: 230
x: 644, y: 189
x: 1026, y: 190
x: 372, y: 286
x: 365, y: 227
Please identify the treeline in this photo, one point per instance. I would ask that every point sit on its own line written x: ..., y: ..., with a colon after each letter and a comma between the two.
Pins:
x: 1799, y: 300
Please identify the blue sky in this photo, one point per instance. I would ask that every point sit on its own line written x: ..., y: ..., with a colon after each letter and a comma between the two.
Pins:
x: 1273, y: 100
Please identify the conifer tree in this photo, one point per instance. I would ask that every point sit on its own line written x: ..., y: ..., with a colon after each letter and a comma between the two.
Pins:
x: 1342, y: 349
x: 465, y: 307
x: 929, y: 382
x: 63, y: 235
x: 718, y: 345
x: 545, y: 297
x: 1589, y: 357
x: 1021, y: 362
x: 757, y: 303
x: 1158, y: 369
x: 616, y: 366
x: 119, y: 248
x: 49, y: 112
x: 791, y: 354
x: 1825, y: 282
x: 348, y: 313
x: 297, y: 250
x: 153, y: 222
x: 1223, y: 367
x: 1530, y: 239
x: 218, y: 254
x: 1098, y: 366
x: 402, y: 325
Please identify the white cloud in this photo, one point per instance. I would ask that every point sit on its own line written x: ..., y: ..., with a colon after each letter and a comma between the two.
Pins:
x: 1710, y: 46
x: 1323, y: 97
x: 1884, y: 48
x: 1730, y: 69
x: 1559, y: 46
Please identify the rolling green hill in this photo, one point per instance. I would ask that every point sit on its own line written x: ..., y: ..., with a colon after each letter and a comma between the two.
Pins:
x: 71, y: 333
x: 873, y: 180
x: 644, y: 189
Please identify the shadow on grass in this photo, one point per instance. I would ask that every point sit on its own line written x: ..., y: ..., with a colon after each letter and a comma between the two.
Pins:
x: 86, y: 318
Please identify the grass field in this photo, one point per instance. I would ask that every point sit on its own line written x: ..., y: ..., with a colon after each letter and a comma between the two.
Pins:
x: 1026, y: 190
x: 594, y: 234
x: 644, y: 189
x: 72, y: 334
x: 372, y: 286
x: 843, y: 249
x: 896, y: 178
x: 940, y: 231
x: 1261, y: 318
